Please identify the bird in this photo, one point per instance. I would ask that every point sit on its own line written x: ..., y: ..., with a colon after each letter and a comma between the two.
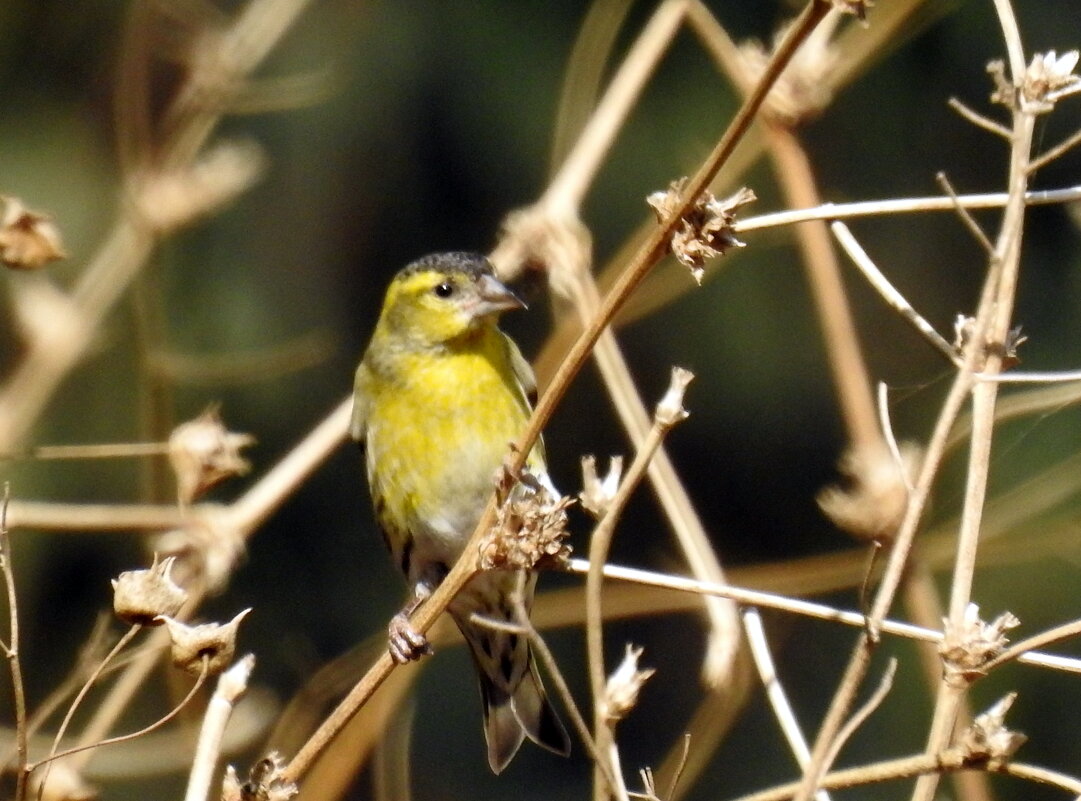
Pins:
x: 439, y: 395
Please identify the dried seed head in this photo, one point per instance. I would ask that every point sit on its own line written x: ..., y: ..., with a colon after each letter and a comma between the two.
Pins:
x: 540, y: 239
x: 597, y: 493
x: 530, y: 530
x: 967, y: 648
x: 211, y: 643
x: 988, y: 739
x: 1048, y: 78
x: 170, y: 200
x: 203, y: 453
x: 207, y: 548
x: 805, y: 88
x: 670, y: 409
x: 705, y: 230
x: 62, y: 783
x: 623, y: 686
x: 142, y: 597
x: 265, y: 782
x: 28, y: 240
x: 46, y: 316
x: 964, y: 329
x: 873, y: 502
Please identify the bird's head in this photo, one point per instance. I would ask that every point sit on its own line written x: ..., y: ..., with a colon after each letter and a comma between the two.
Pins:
x: 443, y: 297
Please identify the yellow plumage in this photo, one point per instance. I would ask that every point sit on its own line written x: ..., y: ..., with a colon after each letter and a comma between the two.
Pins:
x: 440, y: 394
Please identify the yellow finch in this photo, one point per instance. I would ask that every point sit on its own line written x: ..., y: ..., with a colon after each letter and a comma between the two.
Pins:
x: 439, y: 395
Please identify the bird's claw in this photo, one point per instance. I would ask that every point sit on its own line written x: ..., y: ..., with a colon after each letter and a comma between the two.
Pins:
x: 404, y: 642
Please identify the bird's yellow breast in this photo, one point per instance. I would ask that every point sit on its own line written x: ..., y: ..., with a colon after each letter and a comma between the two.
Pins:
x: 439, y: 425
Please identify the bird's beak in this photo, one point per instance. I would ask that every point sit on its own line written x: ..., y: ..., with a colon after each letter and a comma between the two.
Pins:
x: 493, y: 297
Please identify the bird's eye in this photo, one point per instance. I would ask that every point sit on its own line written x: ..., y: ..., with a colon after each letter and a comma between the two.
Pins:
x: 444, y: 290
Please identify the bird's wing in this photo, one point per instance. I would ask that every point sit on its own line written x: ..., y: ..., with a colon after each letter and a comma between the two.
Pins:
x: 522, y: 371
x: 361, y: 403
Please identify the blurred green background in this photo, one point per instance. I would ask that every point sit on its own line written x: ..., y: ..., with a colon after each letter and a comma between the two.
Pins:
x: 438, y: 123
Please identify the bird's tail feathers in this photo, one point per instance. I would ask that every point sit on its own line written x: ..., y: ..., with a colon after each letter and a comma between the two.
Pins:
x: 509, y: 719
x: 515, y: 704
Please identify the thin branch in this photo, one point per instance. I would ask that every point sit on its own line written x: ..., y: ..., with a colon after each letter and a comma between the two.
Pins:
x: 599, y: 544
x: 883, y: 397
x: 919, y: 765
x: 109, y: 450
x: 122, y: 691
x: 575, y: 175
x: 129, y: 635
x: 1020, y: 649
x: 893, y: 206
x: 985, y: 352
x: 1057, y: 377
x: 1070, y: 142
x: 865, y: 711
x: 889, y: 293
x: 778, y: 699
x: 253, y: 508
x: 980, y: 121
x: 799, y: 606
x: 966, y: 218
x: 11, y: 650
x: 157, y: 724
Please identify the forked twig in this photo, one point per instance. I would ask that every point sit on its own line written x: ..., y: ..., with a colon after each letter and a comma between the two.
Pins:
x: 864, y: 712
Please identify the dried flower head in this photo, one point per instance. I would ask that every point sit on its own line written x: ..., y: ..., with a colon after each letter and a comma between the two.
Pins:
x: 540, y: 239
x: 873, y: 501
x: 173, y: 199
x: 1048, y: 78
x: 207, y: 547
x: 212, y: 644
x: 805, y: 87
x: 62, y: 783
x: 142, y: 597
x: 670, y: 409
x: 623, y: 686
x: 203, y: 453
x: 530, y: 529
x: 265, y: 782
x: 967, y: 648
x: 988, y: 739
x: 705, y: 230
x: 597, y: 493
x: 46, y: 316
x: 964, y: 329
x: 28, y: 240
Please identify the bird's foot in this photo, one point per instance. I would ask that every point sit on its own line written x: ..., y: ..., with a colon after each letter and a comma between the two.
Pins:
x: 404, y: 642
